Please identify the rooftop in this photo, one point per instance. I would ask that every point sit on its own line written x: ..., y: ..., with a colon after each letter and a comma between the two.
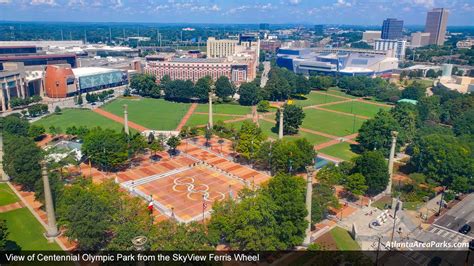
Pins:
x: 87, y: 71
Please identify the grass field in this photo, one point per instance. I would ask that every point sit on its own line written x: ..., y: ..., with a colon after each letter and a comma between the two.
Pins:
x: 224, y: 108
x: 358, y: 108
x: 312, y: 138
x: 155, y: 114
x: 341, y: 150
x: 343, y: 240
x: 26, y: 231
x: 77, y: 117
x: 338, y: 92
x: 331, y: 123
x: 8, y: 196
x: 315, y: 98
x: 198, y: 119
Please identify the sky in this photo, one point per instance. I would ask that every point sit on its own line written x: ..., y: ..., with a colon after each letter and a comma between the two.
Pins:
x: 353, y: 12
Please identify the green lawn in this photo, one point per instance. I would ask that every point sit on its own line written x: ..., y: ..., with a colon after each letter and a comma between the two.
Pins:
x: 358, y: 108
x: 77, y: 117
x: 331, y: 123
x: 198, y: 119
x: 312, y: 138
x: 26, y: 231
x: 315, y: 98
x: 8, y: 196
x: 341, y: 150
x: 237, y: 125
x: 225, y: 108
x: 155, y: 114
x: 343, y: 239
x: 338, y: 92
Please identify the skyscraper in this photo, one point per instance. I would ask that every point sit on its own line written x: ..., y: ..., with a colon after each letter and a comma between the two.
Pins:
x: 392, y: 29
x: 436, y: 21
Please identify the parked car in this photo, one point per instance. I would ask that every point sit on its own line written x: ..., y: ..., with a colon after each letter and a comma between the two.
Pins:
x: 465, y: 229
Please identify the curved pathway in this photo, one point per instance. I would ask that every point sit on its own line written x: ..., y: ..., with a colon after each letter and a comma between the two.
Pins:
x: 119, y: 119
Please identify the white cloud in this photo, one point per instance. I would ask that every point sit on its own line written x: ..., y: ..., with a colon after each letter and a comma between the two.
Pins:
x: 343, y: 3
x: 294, y: 2
x: 5, y: 2
x: 215, y: 8
x: 425, y: 3
x: 44, y: 2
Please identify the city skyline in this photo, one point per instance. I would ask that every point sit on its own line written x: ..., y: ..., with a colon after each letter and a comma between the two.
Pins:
x: 350, y: 12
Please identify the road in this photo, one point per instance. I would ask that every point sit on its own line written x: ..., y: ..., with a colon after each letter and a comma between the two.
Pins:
x: 266, y: 69
x: 462, y: 213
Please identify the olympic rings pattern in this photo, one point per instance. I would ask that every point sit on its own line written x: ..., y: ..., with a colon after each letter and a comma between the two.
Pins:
x: 192, y: 188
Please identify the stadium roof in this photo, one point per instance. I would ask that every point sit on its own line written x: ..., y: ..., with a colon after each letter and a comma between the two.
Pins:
x: 89, y: 71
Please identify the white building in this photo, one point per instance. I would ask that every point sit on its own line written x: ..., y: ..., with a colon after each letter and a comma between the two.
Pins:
x: 370, y: 36
x: 466, y: 44
x: 397, y: 47
x: 419, y: 39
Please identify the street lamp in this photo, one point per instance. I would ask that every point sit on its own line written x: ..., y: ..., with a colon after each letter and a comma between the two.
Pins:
x: 395, y: 219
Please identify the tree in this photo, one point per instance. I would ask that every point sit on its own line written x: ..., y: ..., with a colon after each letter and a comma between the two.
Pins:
x: 464, y: 124
x: 323, y: 199
x: 302, y: 85
x: 249, y: 94
x: 171, y: 236
x: 406, y: 115
x: 106, y: 148
x: 156, y: 146
x: 321, y: 82
x: 56, y: 186
x: 22, y: 161
x: 330, y: 175
x: 57, y: 110
x: 203, y: 87
x: 179, y: 90
x: 292, y: 119
x: 127, y: 92
x: 373, y: 167
x: 80, y: 101
x: 376, y: 133
x: 429, y: 108
x: 443, y: 158
x: 36, y: 132
x: 224, y: 88
x: 15, y: 125
x: 415, y: 91
x: 3, y: 235
x: 288, y: 194
x: 208, y: 135
x: 173, y: 142
x: 355, y: 184
x: 249, y: 139
x: 286, y: 156
x: 145, y: 85
x: 263, y: 106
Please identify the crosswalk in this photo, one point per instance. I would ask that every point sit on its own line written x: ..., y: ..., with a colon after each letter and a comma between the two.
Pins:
x: 453, y: 236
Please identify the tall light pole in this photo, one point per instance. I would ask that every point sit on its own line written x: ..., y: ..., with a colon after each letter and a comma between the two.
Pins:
x: 3, y: 176
x: 125, y: 119
x: 309, y: 193
x: 280, y: 128
x: 390, y: 162
x: 52, y: 230
x: 211, y: 124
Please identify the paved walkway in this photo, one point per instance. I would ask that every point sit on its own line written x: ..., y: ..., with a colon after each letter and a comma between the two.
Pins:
x: 119, y: 119
x: 11, y: 207
x: 186, y: 117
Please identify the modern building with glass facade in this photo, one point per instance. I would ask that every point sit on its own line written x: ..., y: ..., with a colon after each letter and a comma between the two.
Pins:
x: 342, y: 62
x: 392, y: 29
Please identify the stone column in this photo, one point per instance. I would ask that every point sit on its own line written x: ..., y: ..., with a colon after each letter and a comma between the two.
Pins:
x: 2, y: 99
x: 17, y: 87
x: 52, y: 231
x: 280, y: 128
x: 3, y: 176
x: 23, y: 89
x: 211, y: 123
x: 125, y: 119
x: 309, y: 196
x: 8, y: 96
x: 390, y: 162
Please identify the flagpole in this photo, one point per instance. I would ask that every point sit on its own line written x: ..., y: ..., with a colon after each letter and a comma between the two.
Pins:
x: 203, y: 207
